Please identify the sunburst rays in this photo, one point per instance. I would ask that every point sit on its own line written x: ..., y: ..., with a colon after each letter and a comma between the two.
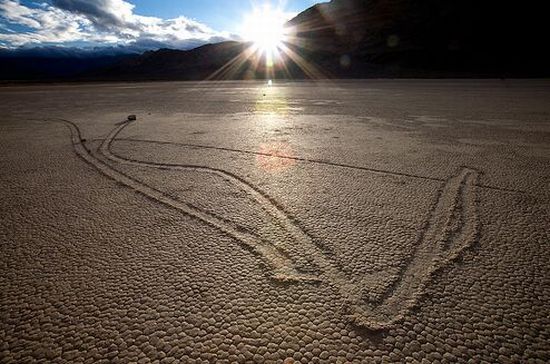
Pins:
x: 279, y: 52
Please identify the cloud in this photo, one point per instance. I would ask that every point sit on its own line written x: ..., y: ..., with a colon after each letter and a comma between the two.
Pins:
x: 98, y: 21
x: 46, y: 24
x: 15, y: 13
x: 102, y: 13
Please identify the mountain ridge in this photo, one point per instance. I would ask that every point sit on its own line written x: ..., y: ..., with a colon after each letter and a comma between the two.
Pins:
x: 367, y: 38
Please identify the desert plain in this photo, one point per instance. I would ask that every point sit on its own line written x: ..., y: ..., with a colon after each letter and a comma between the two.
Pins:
x: 297, y: 222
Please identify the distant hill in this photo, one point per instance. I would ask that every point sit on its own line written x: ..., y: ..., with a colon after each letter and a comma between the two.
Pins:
x: 164, y: 64
x: 352, y: 39
x: 376, y: 38
x: 56, y: 63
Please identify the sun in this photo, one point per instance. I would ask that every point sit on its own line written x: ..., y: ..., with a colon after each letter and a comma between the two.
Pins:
x: 265, y: 28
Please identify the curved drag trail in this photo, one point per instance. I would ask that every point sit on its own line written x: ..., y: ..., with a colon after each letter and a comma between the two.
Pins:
x: 280, y: 264
x: 330, y: 271
x: 452, y: 227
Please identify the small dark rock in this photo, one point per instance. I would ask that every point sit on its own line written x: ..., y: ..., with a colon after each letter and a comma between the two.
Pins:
x: 132, y: 117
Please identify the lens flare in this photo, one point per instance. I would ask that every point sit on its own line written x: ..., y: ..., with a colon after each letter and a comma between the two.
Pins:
x: 265, y: 28
x: 272, y: 48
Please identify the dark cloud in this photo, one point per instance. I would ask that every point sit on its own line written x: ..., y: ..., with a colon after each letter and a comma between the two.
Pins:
x: 102, y: 13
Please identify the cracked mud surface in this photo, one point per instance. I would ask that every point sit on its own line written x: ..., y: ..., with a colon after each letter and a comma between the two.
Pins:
x: 379, y: 221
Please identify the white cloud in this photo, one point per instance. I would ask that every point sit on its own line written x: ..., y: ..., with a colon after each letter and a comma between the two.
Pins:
x: 110, y: 21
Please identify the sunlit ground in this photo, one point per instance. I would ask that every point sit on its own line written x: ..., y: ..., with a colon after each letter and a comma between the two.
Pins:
x: 270, y: 109
x: 88, y: 256
x: 265, y: 29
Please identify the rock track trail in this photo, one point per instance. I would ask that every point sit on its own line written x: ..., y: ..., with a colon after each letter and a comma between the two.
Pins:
x: 311, y: 161
x: 452, y: 227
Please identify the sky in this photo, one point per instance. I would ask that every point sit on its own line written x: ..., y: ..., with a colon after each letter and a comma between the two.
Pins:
x: 144, y: 24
